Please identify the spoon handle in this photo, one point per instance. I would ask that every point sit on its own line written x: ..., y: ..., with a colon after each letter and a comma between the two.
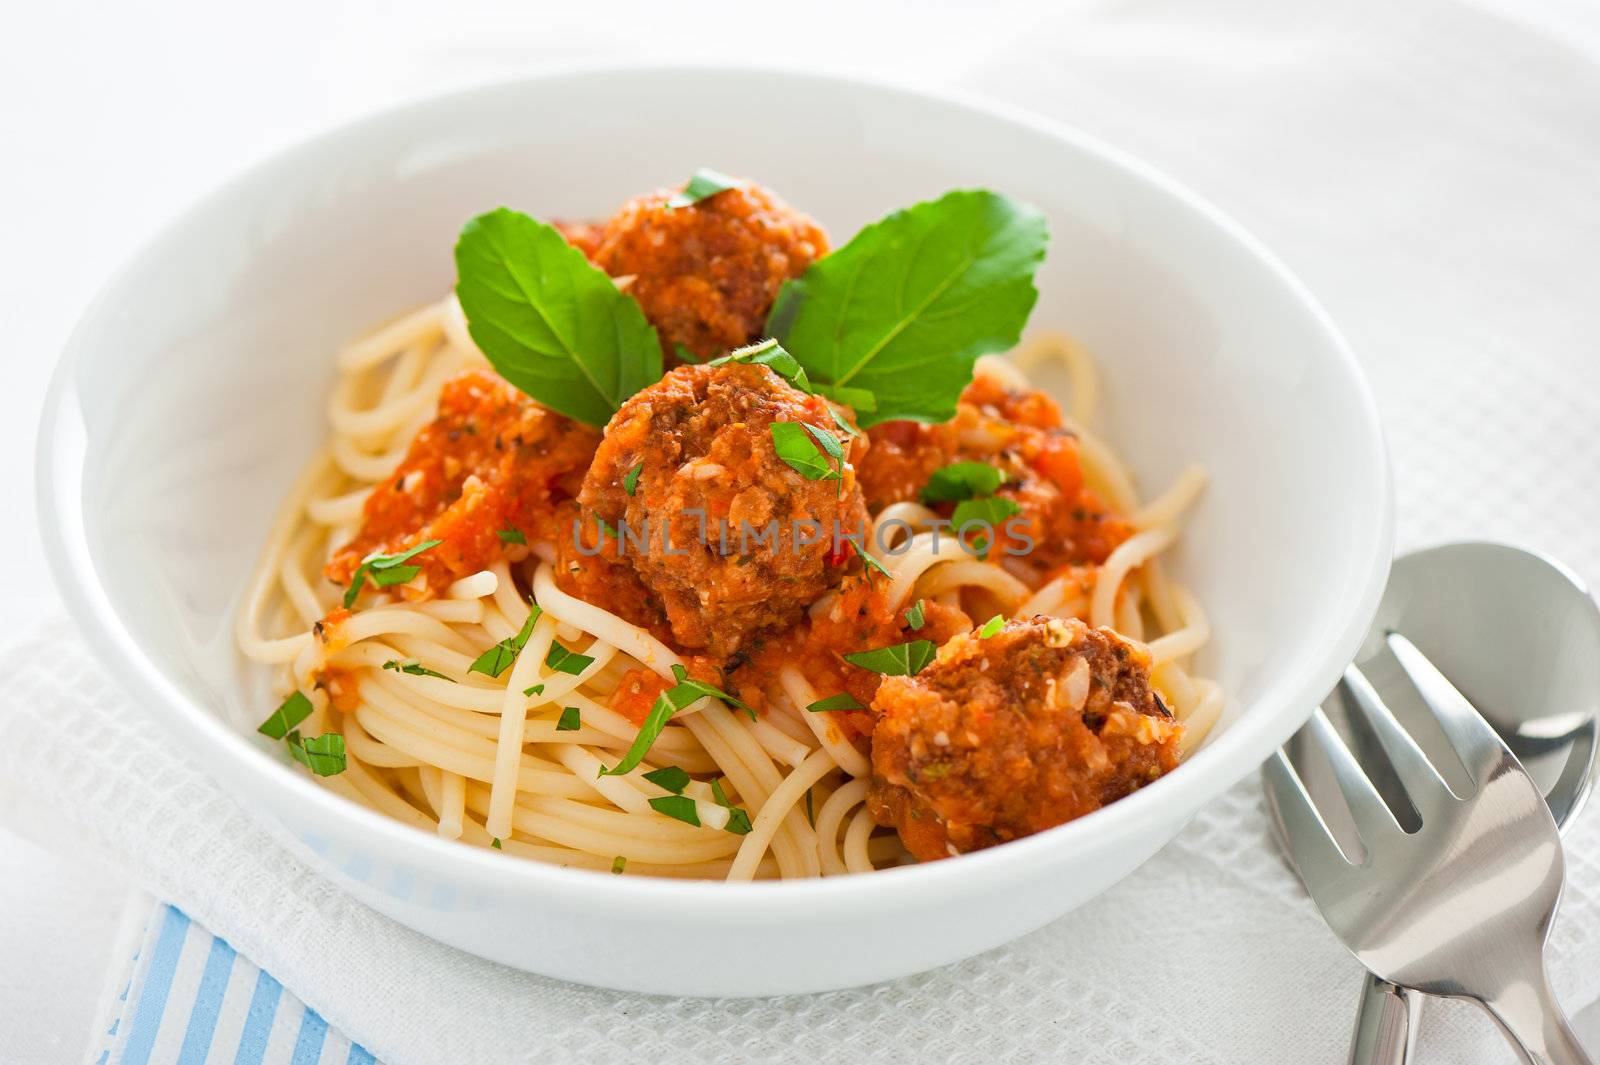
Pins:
x: 1386, y: 1024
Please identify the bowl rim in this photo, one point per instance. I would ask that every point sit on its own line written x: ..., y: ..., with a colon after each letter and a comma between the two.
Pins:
x: 1219, y: 764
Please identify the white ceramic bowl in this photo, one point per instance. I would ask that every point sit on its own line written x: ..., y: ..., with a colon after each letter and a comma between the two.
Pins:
x: 193, y: 391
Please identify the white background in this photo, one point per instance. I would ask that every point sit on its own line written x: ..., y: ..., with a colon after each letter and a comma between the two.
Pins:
x: 114, y: 115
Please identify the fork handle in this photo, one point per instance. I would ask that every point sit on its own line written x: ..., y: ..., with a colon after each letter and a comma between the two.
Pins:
x: 1386, y: 1024
x: 1530, y: 1015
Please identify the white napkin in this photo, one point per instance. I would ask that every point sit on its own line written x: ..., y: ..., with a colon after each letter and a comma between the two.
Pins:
x: 1431, y: 172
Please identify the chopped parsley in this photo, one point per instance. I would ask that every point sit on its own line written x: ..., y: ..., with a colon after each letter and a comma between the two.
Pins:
x: 989, y: 511
x: 870, y: 564
x: 702, y: 184
x: 842, y: 701
x: 497, y: 659
x: 511, y: 536
x: 495, y: 843
x: 293, y: 710
x: 900, y: 660
x: 914, y: 616
x: 564, y: 661
x: 618, y: 864
x: 669, y: 778
x: 681, y: 675
x: 992, y: 627
x: 415, y: 668
x: 678, y: 807
x: 533, y: 689
x: 570, y: 720
x: 738, y: 818
x: 770, y: 353
x: 962, y: 480
x: 385, y: 570
x: 323, y: 755
x: 630, y: 480
x: 806, y: 449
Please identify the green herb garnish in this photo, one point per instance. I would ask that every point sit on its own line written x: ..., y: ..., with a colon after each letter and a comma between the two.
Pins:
x: 679, y: 807
x: 687, y: 682
x: 497, y: 659
x: 770, y: 353
x: 842, y: 701
x: 738, y: 818
x: 669, y: 778
x: 533, y: 689
x: 991, y: 627
x: 549, y: 322
x: 704, y: 183
x: 564, y: 661
x: 871, y: 564
x: 991, y: 511
x: 900, y: 660
x: 630, y: 480
x: 570, y: 720
x: 907, y: 306
x: 962, y: 480
x: 799, y: 445
x: 511, y: 536
x: 385, y: 570
x: 914, y: 616
x: 323, y: 755
x: 618, y: 864
x: 293, y: 710
x: 495, y: 843
x: 415, y: 668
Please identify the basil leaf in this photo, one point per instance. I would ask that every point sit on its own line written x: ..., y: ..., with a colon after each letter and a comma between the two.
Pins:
x: 704, y: 183
x: 770, y: 353
x: 685, y: 356
x: 858, y: 399
x: 618, y: 864
x: 511, y: 536
x: 991, y: 627
x: 679, y: 807
x: 323, y: 755
x: 630, y: 480
x: 533, y: 689
x: 550, y: 322
x: 564, y: 661
x: 415, y: 668
x: 495, y: 843
x: 666, y: 704
x: 385, y: 570
x: 669, y: 778
x: 871, y: 564
x: 962, y: 480
x: 991, y: 511
x: 842, y: 701
x: 293, y: 710
x: 914, y: 616
x: 497, y: 659
x: 570, y: 720
x: 685, y: 681
x: 799, y: 450
x: 907, y: 306
x: 900, y: 660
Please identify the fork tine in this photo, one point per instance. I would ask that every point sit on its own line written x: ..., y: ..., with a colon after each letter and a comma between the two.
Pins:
x: 1423, y: 784
x: 1372, y: 816
x: 1312, y: 849
x: 1474, y: 739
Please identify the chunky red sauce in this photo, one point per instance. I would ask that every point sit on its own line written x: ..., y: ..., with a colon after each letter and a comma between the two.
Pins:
x: 492, y: 460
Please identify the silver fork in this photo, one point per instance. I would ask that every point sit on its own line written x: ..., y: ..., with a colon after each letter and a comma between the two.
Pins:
x: 1460, y: 907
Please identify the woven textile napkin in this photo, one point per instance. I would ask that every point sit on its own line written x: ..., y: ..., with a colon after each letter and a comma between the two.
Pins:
x: 1431, y: 173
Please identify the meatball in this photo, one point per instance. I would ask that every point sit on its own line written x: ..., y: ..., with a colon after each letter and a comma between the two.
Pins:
x: 999, y: 738
x: 718, y: 529
x: 706, y: 274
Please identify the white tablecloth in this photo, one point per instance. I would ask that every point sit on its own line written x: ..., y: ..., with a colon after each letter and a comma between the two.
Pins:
x: 1430, y: 170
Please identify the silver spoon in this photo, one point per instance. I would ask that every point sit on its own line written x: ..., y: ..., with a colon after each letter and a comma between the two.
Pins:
x: 1519, y: 635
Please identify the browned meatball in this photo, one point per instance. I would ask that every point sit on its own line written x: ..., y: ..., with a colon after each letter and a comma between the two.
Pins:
x: 1000, y: 738
x: 701, y: 441
x: 706, y: 274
